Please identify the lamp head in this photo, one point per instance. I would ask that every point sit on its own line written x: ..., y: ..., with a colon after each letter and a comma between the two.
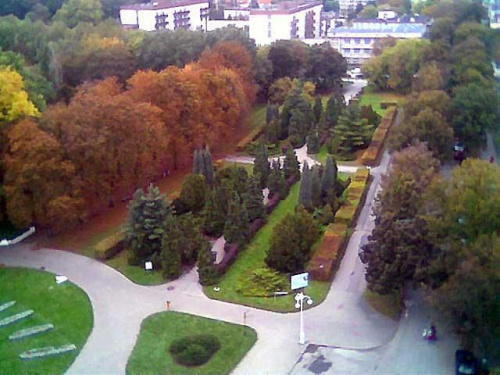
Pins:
x: 297, y: 305
x: 310, y: 301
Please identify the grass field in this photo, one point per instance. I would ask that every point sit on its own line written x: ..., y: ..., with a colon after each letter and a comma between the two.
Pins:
x: 66, y: 306
x: 253, y: 257
x: 136, y: 274
x: 374, y: 98
x: 151, y: 355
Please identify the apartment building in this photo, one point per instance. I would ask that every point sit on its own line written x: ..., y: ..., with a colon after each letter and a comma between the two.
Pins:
x: 166, y: 15
x: 356, y: 43
x: 493, y: 7
x: 286, y: 20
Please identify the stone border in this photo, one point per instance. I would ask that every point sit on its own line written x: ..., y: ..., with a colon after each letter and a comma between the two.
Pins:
x: 46, y: 351
x: 6, y: 305
x: 31, y: 331
x: 14, y: 318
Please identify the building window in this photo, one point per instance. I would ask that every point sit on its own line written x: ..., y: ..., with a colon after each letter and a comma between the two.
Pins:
x: 367, y: 40
x: 161, y: 21
x: 357, y: 50
x: 269, y: 28
x: 357, y: 40
x: 294, y: 28
x: 182, y: 20
x: 348, y: 40
x: 309, y: 31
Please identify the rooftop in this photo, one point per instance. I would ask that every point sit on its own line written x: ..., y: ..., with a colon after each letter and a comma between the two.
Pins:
x: 382, y: 27
x: 162, y: 4
x: 286, y: 7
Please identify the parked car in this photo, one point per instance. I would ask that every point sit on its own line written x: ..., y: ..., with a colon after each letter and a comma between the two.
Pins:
x: 465, y: 363
x: 459, y: 152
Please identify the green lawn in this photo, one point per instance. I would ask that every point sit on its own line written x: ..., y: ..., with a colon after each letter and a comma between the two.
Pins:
x: 253, y: 257
x: 151, y: 355
x: 374, y: 98
x: 134, y: 273
x: 257, y: 115
x: 66, y: 306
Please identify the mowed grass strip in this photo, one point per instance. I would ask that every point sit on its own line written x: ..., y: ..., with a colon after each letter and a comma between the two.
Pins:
x: 151, y: 353
x: 66, y: 306
x: 374, y: 98
x: 253, y: 257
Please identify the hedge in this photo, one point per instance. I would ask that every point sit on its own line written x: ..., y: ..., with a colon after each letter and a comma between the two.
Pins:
x: 372, y: 154
x: 326, y: 259
x: 110, y: 246
x: 252, y: 136
x: 230, y: 253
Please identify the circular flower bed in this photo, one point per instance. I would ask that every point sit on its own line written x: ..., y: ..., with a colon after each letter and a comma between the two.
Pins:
x: 194, y: 350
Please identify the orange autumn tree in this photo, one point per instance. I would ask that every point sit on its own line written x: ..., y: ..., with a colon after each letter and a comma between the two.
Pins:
x: 115, y: 143
x: 41, y: 187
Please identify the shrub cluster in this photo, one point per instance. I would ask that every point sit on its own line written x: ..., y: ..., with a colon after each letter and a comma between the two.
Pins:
x: 327, y: 258
x: 373, y: 152
x: 110, y: 246
x: 194, y: 350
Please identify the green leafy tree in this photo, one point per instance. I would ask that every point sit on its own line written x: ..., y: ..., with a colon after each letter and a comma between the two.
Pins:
x: 305, y: 198
x: 329, y: 177
x: 352, y: 132
x: 272, y: 113
x: 261, y: 166
x: 318, y: 108
x: 170, y: 256
x: 74, y: 12
x: 145, y: 227
x: 193, y: 192
x: 254, y: 200
x: 214, y: 213
x: 291, y: 167
x: 297, y: 106
x: 291, y: 242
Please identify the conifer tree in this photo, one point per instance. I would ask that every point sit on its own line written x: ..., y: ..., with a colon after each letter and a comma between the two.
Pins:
x: 352, y: 132
x: 313, y: 143
x: 207, y: 271
x: 207, y: 166
x: 272, y: 113
x: 296, y: 128
x: 318, y: 109
x: 236, y: 228
x: 197, y: 169
x: 146, y: 224
x: 170, y: 250
x: 291, y: 167
x: 254, y: 200
x: 305, y: 198
x: 329, y: 177
x: 193, y: 192
x: 315, y: 187
x: 214, y: 212
x: 261, y: 165
x: 276, y: 182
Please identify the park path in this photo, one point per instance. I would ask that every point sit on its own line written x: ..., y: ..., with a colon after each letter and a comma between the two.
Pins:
x: 342, y: 320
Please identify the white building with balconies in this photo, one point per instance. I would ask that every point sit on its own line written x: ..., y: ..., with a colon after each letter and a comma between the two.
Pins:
x: 166, y: 15
x: 356, y: 43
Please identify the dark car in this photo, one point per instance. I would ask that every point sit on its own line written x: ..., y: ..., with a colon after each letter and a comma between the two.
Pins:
x: 465, y: 363
x: 459, y: 152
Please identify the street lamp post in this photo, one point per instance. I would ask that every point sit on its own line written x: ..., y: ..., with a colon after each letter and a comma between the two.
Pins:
x: 299, y: 304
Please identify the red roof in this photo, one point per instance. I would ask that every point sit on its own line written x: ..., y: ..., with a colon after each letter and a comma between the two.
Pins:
x: 162, y: 4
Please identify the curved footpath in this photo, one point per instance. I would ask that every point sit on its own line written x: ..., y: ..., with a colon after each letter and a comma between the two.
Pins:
x: 343, y: 320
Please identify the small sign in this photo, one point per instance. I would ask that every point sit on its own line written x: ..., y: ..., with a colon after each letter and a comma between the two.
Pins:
x: 148, y: 266
x: 300, y: 281
x: 61, y: 279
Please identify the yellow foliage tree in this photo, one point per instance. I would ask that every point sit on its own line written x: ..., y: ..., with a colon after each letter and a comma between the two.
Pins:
x: 14, y: 102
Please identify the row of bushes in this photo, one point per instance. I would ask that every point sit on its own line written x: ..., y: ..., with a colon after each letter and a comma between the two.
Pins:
x: 372, y: 154
x: 326, y: 259
x: 231, y: 251
x: 109, y: 246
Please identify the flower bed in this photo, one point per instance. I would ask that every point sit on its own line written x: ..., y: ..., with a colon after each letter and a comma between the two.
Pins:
x: 372, y: 154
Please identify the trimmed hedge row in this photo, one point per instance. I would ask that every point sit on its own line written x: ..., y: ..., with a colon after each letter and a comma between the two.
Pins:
x: 372, y: 154
x: 252, y: 136
x: 110, y: 246
x: 326, y: 260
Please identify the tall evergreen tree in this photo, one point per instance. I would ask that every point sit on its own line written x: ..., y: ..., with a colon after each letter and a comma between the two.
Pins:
x: 272, y: 113
x: 254, y: 200
x: 318, y: 109
x: 170, y: 250
x: 297, y: 128
x: 236, y: 228
x: 305, y: 198
x: 146, y: 224
x: 193, y: 192
x: 291, y: 165
x: 329, y: 177
x: 197, y: 167
x: 214, y: 212
x: 313, y: 143
x: 207, y: 271
x: 261, y: 165
x: 331, y: 112
x: 315, y: 187
x: 276, y: 182
x: 207, y: 166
